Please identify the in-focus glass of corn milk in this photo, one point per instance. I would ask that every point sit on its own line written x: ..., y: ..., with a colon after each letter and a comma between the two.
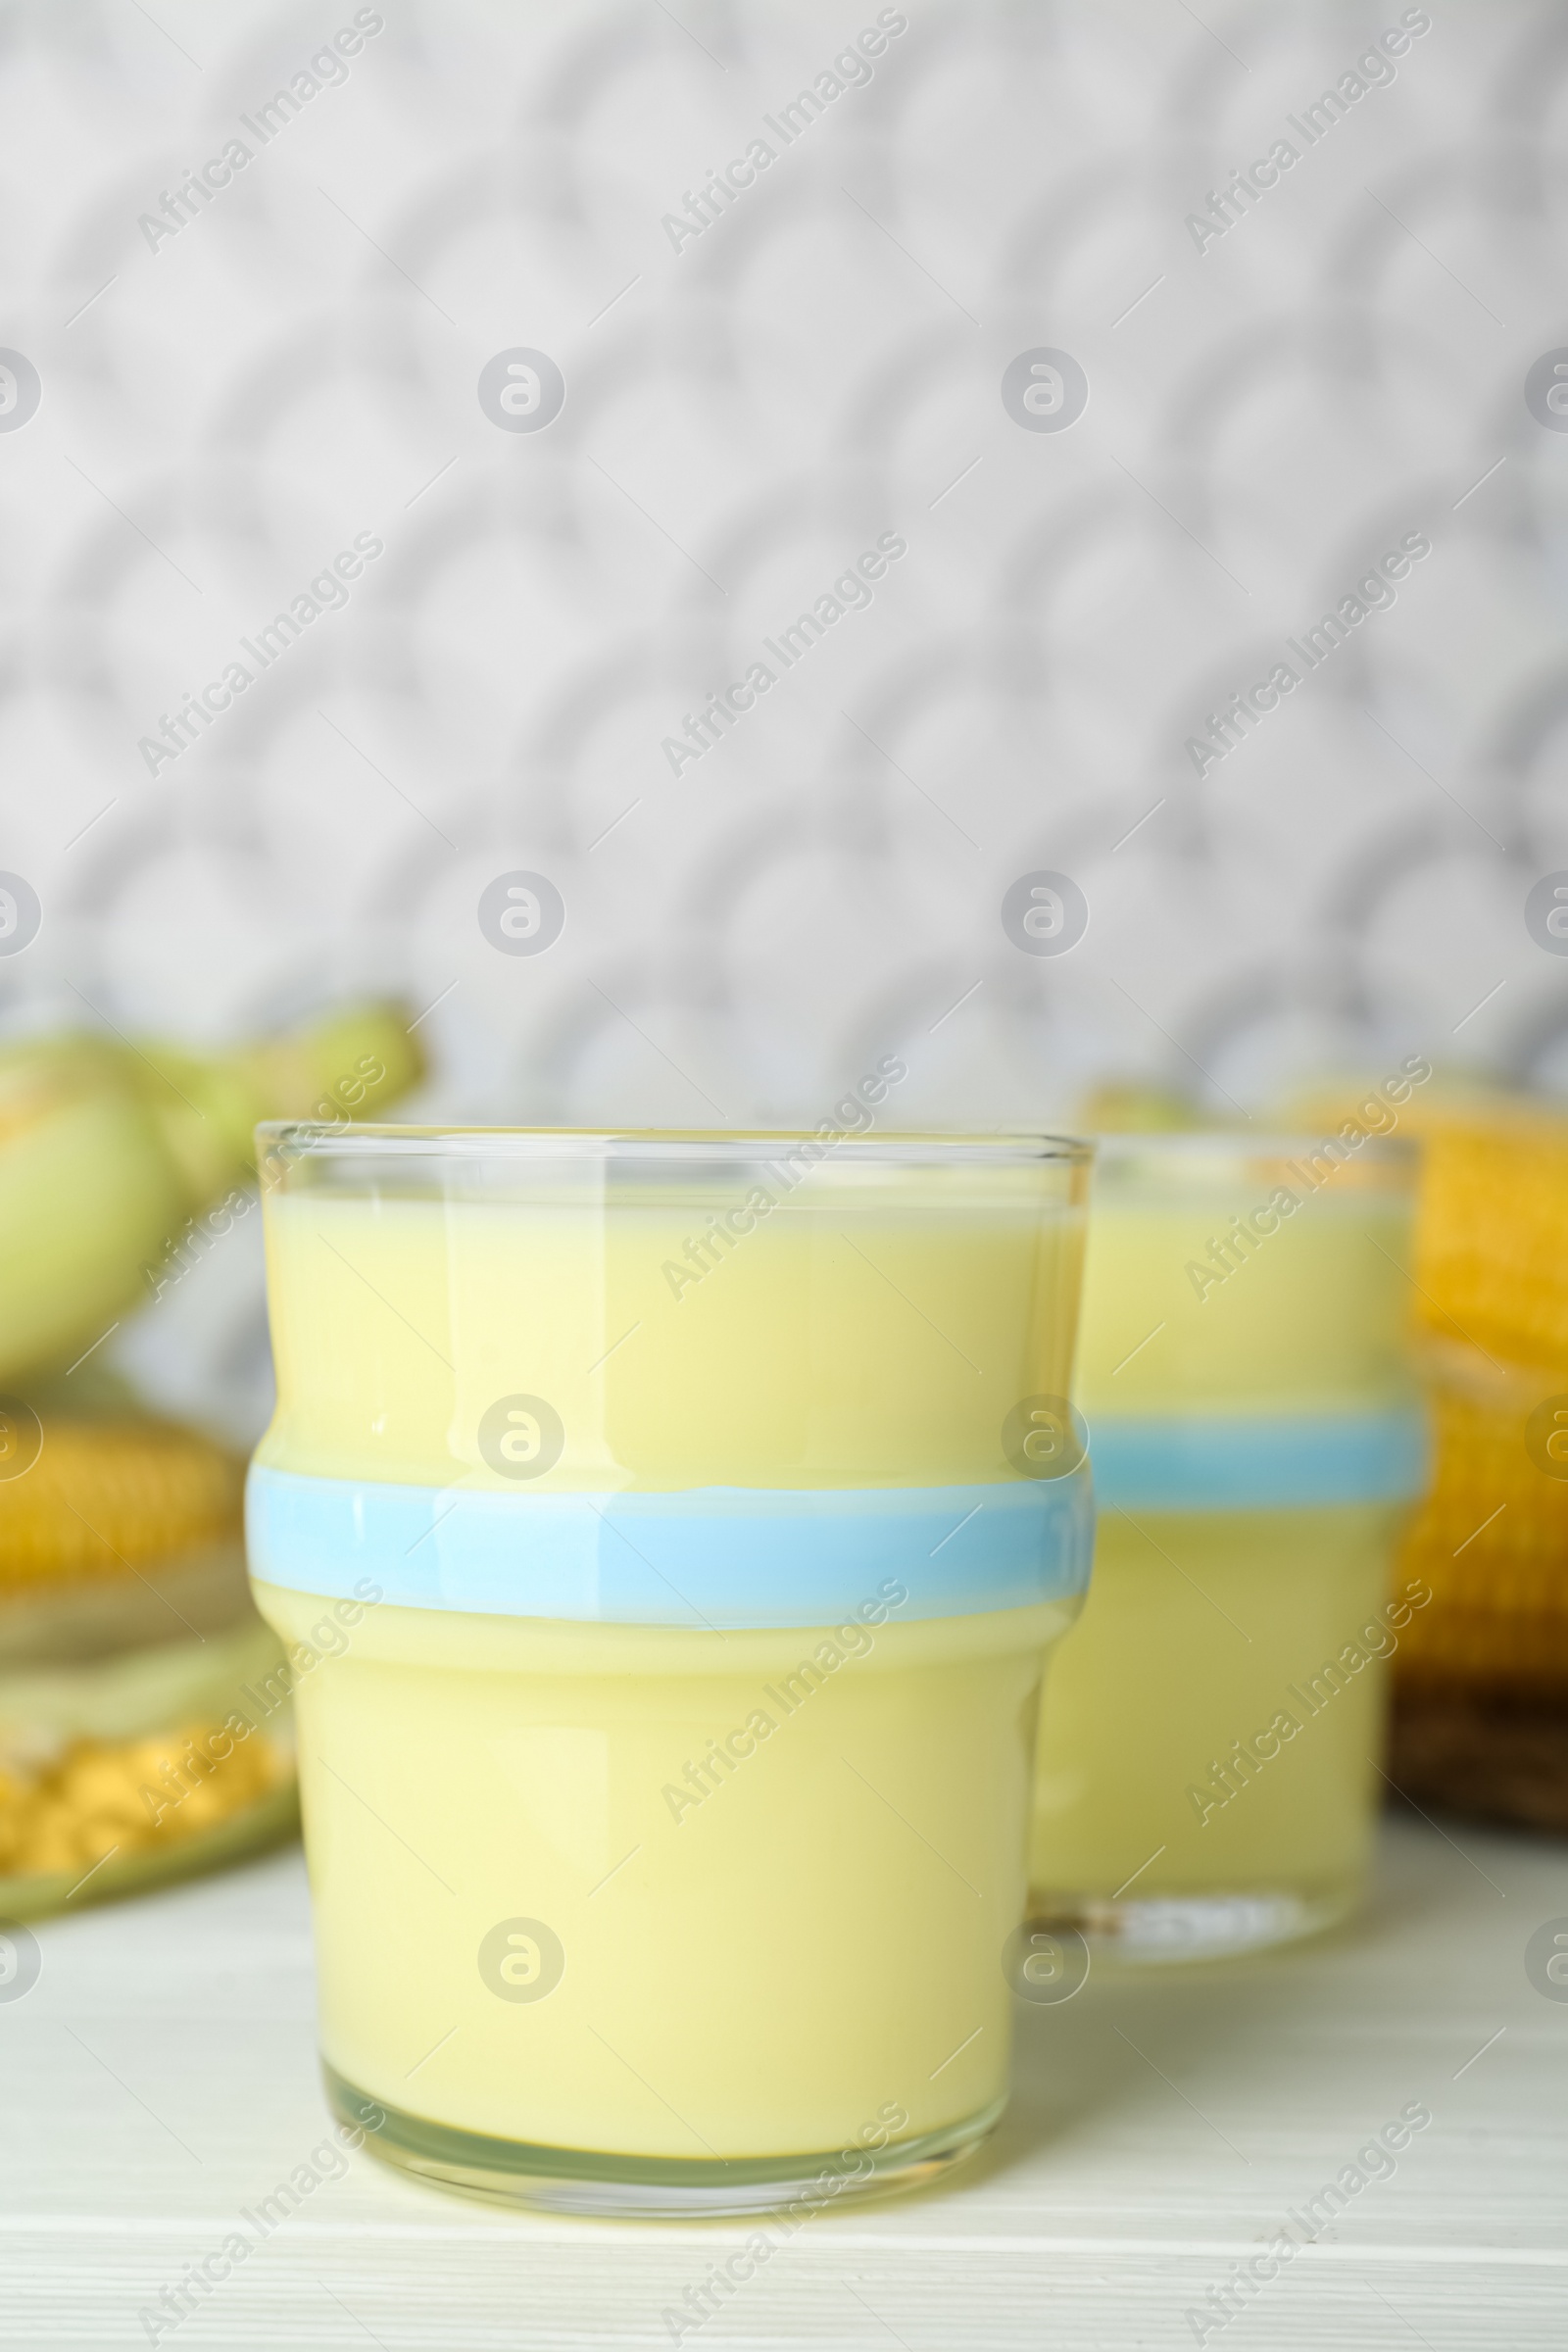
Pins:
x: 669, y: 1531
x: 1208, y: 1768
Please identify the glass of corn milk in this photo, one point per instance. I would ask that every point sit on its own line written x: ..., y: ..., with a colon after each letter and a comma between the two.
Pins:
x: 703, y: 1508
x: 1207, y: 1771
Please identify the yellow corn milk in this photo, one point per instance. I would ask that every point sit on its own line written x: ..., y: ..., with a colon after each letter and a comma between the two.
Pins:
x: 667, y: 1808
x: 1206, y: 1770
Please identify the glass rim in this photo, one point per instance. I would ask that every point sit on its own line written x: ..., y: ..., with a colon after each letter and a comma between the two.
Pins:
x: 320, y: 1138
x: 1224, y: 1142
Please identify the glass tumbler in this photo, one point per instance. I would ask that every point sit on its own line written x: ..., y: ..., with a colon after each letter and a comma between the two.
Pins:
x: 1208, y: 1768
x: 667, y: 1532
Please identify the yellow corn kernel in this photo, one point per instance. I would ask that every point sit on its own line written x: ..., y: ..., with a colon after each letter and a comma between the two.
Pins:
x: 1489, y: 1268
x: 103, y: 1498
x: 106, y: 1799
x: 1491, y: 1539
x: 48, y: 1841
x: 95, y: 1781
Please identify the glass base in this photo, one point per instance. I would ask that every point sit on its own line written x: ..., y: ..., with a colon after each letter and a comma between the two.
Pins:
x: 645, y: 2187
x: 1156, y: 1930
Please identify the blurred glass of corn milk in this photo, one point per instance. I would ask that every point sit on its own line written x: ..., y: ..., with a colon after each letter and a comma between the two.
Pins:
x: 668, y: 1810
x: 1208, y: 1768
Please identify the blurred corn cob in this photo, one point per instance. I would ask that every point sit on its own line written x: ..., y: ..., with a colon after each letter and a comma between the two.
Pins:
x: 105, y: 1497
x: 1490, y: 1256
x: 106, y: 1148
x: 131, y: 1743
x: 102, y: 1799
x: 139, y: 1732
x: 1491, y: 1539
x: 1481, y: 1676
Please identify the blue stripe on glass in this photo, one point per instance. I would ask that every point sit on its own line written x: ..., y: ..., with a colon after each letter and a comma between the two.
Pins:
x: 1253, y: 1463
x: 727, y: 1557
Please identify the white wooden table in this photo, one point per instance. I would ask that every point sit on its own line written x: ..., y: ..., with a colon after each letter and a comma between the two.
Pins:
x: 160, y: 2076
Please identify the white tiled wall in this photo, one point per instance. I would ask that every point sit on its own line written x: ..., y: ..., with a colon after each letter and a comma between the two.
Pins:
x: 224, y: 409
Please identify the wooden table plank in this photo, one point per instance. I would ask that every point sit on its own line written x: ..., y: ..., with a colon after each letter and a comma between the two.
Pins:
x: 160, y: 2076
